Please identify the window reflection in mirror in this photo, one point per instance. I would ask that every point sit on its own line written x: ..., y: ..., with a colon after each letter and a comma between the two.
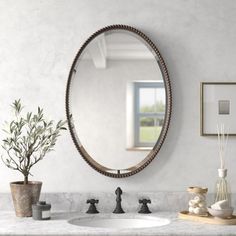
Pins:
x: 148, y: 116
x: 149, y: 112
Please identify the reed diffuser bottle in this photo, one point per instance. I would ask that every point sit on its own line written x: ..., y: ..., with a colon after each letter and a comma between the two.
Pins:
x: 222, y: 187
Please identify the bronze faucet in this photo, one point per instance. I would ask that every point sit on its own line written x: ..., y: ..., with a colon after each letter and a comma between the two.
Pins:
x: 118, y: 209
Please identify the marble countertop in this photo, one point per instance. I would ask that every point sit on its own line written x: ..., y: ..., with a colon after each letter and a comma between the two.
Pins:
x: 58, y: 225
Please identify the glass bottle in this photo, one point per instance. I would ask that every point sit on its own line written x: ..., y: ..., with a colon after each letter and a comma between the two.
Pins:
x: 222, y: 188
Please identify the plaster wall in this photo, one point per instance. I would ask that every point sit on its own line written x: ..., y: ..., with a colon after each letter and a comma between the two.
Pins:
x: 38, y: 41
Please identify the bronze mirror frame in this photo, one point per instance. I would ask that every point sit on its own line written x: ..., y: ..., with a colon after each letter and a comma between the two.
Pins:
x: 147, y: 160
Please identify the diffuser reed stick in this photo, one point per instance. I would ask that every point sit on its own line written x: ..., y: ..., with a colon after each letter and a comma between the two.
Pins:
x: 222, y: 186
x: 222, y: 144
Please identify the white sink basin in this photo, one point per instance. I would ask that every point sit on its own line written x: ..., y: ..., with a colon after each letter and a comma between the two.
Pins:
x: 119, y: 222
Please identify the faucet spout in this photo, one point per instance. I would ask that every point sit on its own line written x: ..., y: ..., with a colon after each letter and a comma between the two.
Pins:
x: 118, y: 209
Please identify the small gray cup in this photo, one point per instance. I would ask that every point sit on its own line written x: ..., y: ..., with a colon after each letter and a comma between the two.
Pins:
x: 41, y: 211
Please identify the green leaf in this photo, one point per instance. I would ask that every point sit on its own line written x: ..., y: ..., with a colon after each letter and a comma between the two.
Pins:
x: 16, y: 149
x: 28, y: 117
x: 5, y: 140
x: 17, y: 106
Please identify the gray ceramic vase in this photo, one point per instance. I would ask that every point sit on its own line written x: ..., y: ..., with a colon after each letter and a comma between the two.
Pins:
x: 24, y: 195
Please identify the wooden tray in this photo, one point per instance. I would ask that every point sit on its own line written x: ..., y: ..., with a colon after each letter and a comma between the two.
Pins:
x: 185, y: 215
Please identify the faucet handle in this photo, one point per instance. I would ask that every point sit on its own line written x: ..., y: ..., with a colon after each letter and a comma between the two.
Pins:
x: 92, y: 201
x: 144, y: 207
x: 144, y: 201
x: 92, y: 208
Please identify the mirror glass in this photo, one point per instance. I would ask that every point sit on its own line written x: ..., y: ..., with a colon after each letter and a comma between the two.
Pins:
x: 117, y: 101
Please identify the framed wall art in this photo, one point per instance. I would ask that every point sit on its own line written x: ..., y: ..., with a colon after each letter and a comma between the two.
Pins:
x: 218, y: 106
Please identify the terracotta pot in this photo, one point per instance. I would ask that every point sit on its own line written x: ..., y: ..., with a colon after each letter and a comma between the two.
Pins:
x: 24, y: 195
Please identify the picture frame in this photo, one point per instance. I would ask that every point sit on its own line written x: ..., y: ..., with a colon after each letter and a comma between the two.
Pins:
x: 217, y: 106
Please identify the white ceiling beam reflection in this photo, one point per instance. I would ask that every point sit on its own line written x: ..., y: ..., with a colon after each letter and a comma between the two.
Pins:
x: 129, y: 51
x: 98, y: 52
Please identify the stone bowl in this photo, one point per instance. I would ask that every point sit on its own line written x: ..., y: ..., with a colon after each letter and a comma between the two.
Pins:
x: 223, y: 213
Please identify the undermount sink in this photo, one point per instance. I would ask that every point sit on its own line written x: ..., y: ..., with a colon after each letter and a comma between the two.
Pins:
x: 119, y: 222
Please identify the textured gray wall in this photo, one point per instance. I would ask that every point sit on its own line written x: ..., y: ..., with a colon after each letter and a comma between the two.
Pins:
x: 38, y: 41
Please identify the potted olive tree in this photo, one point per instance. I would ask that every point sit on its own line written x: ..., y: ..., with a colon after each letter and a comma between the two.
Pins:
x: 29, y: 138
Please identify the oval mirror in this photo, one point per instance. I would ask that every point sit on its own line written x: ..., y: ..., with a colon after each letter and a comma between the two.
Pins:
x: 118, y: 101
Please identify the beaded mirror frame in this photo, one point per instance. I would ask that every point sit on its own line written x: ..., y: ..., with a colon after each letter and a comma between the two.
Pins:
x: 115, y: 173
